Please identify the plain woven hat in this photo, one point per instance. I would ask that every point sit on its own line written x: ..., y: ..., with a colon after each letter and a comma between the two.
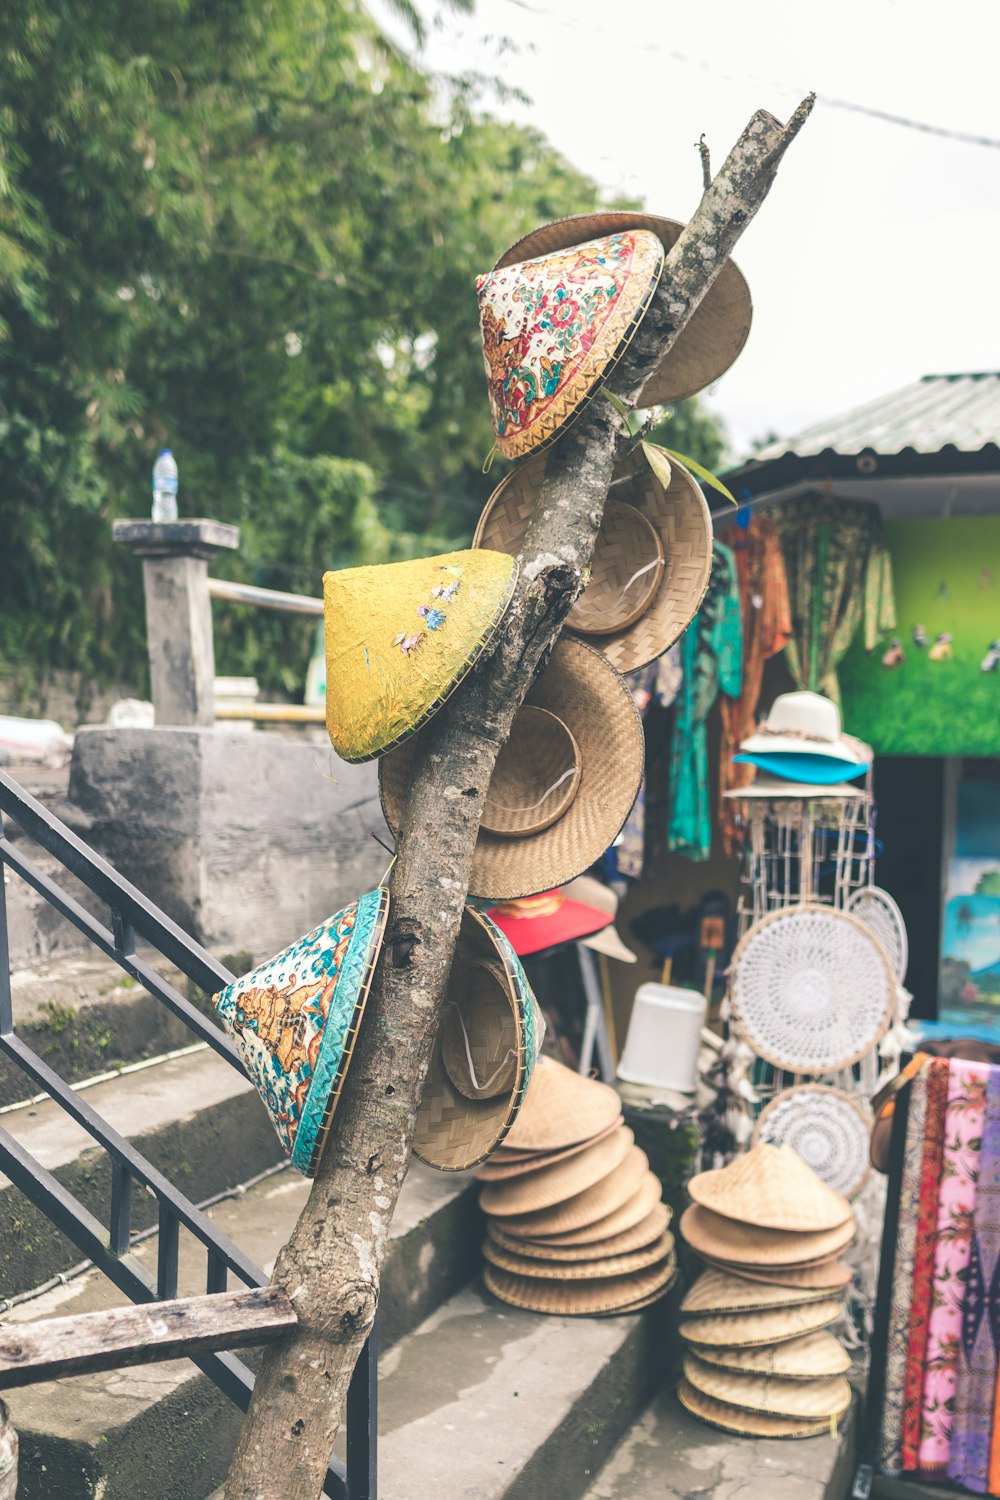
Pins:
x: 652, y: 1227
x: 575, y: 1270
x: 747, y: 1330
x: 773, y: 1188
x: 728, y: 1240
x: 807, y: 1358
x: 533, y: 923
x: 295, y: 1018
x: 484, y: 1052
x: 586, y: 694
x: 555, y: 324
x: 717, y: 330
x: 498, y: 1169
x: 561, y: 1109
x: 586, y: 1208
x: 595, y: 893
x: 831, y: 1275
x: 603, y: 1294
x: 555, y: 1184
x: 815, y: 1400
x: 801, y: 740
x: 632, y: 1212
x: 401, y: 637
x: 722, y: 1292
x: 648, y: 490
x: 746, y: 1423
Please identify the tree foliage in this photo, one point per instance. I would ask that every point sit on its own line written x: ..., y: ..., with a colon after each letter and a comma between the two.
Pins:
x: 249, y: 232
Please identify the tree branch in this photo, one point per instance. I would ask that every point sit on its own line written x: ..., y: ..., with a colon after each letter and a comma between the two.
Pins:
x: 330, y: 1266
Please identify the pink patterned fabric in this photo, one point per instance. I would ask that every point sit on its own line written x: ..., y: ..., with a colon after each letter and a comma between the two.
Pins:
x: 959, y: 1172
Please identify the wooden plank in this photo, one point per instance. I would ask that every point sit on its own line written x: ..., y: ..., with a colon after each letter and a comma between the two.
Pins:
x: 32, y: 1352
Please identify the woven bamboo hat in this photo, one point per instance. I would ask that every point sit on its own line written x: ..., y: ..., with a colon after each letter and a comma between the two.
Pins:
x: 728, y: 1240
x: 721, y: 1292
x: 554, y: 324
x: 773, y: 1188
x: 586, y: 1208
x: 555, y: 1184
x: 497, y: 1170
x: 659, y: 491
x: 652, y: 1227
x: 745, y: 1423
x: 401, y: 637
x: 806, y: 1358
x: 815, y: 1400
x: 746, y: 1330
x: 718, y: 328
x: 611, y: 1265
x: 587, y: 695
x: 561, y: 1109
x: 632, y: 1212
x: 484, y: 1053
x: 605, y: 1294
x: 828, y: 1275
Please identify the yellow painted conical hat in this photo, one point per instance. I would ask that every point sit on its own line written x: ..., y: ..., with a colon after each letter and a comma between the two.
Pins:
x: 401, y: 637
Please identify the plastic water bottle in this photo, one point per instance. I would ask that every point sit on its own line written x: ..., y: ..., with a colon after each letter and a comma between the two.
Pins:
x: 165, y: 487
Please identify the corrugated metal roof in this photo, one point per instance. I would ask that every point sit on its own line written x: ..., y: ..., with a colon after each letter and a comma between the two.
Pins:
x: 935, y: 412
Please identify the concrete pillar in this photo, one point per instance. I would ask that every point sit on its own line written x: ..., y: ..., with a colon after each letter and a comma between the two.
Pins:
x: 175, y: 558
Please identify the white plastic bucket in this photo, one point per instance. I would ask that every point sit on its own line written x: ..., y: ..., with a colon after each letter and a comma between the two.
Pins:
x: 664, y: 1038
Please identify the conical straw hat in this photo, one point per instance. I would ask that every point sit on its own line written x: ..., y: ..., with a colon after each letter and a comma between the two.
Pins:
x: 499, y: 1022
x: 814, y: 1400
x: 669, y: 499
x: 294, y: 1021
x: 806, y: 1358
x: 632, y: 1212
x: 493, y: 1170
x: 401, y: 637
x: 589, y: 1207
x: 641, y: 1302
x: 773, y: 1188
x: 611, y: 1265
x: 726, y: 1239
x: 553, y: 325
x: 717, y: 330
x: 719, y: 1292
x: 561, y: 1109
x: 603, y: 1294
x: 555, y: 1184
x: 581, y: 688
x: 745, y: 1330
x: 829, y: 1275
x: 651, y: 1228
x: 746, y: 1423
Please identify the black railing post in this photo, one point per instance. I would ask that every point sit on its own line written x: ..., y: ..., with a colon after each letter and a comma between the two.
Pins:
x: 362, y: 1423
x: 6, y: 1003
x: 121, y: 1207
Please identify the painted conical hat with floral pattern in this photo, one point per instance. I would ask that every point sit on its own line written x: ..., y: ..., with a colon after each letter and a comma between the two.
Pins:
x: 554, y: 326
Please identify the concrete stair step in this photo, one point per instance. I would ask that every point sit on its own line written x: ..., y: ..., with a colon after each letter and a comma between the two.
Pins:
x: 163, y: 1432
x: 195, y: 1118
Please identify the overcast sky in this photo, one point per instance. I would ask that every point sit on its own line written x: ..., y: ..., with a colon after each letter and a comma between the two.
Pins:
x: 876, y: 258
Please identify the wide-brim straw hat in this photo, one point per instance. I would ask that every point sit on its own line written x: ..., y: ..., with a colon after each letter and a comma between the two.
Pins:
x: 498, y: 1169
x: 652, y: 1227
x: 747, y: 1330
x: 484, y: 1052
x: 555, y: 323
x: 586, y: 693
x: 586, y: 1208
x: 401, y: 637
x: 555, y: 1184
x: 814, y: 1400
x: 662, y: 493
x: 605, y: 1294
x: 631, y: 1213
x: 773, y: 1188
x: 608, y: 940
x: 722, y: 1292
x: 829, y: 1275
x: 745, y: 1423
x: 717, y: 330
x: 812, y: 1356
x: 728, y: 1240
x: 294, y: 1020
x: 534, y: 923
x: 573, y: 1270
x: 562, y: 1108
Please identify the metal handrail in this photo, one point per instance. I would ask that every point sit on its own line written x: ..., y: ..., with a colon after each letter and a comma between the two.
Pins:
x: 249, y: 593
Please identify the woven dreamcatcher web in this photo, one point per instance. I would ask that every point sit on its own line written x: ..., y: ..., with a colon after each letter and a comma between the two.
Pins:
x: 826, y: 1127
x: 876, y: 908
x: 812, y: 990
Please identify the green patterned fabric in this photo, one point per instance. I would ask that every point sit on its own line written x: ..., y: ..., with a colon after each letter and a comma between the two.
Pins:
x: 713, y: 662
x: 839, y: 577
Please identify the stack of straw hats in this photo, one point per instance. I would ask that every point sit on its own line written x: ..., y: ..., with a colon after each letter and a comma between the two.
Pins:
x: 759, y: 1359
x: 575, y: 1221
